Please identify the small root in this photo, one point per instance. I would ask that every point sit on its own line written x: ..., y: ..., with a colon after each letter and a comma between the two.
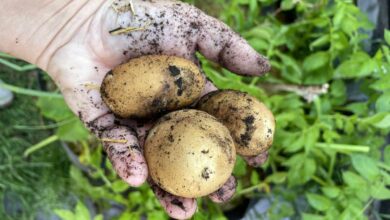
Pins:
x: 92, y: 86
x: 120, y: 141
x: 121, y: 30
x: 309, y: 93
x: 123, y: 8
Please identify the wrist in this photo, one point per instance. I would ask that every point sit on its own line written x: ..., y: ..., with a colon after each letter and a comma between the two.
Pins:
x: 34, y: 30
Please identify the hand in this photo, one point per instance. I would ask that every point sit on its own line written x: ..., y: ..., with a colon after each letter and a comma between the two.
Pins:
x: 83, y: 51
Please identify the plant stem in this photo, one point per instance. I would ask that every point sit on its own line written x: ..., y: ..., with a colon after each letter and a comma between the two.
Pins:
x: 43, y: 127
x: 104, y: 178
x: 4, y: 55
x: 17, y: 67
x: 249, y: 189
x: 254, y: 81
x: 384, y: 166
x: 30, y: 92
x: 40, y: 145
x: 253, y: 188
x: 320, y: 181
x: 317, y: 104
x: 331, y: 165
x: 344, y: 147
x: 366, y: 206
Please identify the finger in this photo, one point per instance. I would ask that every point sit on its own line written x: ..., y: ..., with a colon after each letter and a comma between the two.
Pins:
x: 219, y: 43
x: 226, y: 192
x: 256, y: 161
x: 209, y: 87
x: 79, y: 79
x: 125, y: 154
x: 176, y: 207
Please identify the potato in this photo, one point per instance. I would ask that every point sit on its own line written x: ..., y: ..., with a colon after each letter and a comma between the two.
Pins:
x: 189, y: 153
x: 149, y: 85
x: 249, y: 121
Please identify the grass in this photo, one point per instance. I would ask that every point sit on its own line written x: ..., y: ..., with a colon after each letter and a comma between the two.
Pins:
x: 33, y: 184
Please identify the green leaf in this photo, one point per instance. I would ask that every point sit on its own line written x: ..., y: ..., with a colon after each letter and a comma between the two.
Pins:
x: 331, y: 191
x: 332, y: 213
x: 301, y: 169
x: 81, y: 211
x: 319, y: 76
x: 296, y: 145
x: 339, y: 41
x: 290, y: 70
x: 287, y: 5
x: 383, y: 102
x: 380, y: 120
x: 384, y: 123
x: 339, y: 16
x: 135, y: 197
x: 240, y: 167
x: 307, y: 216
x: 258, y: 44
x: 346, y: 215
x: 98, y: 217
x: 129, y: 215
x: 311, y: 137
x: 386, y: 155
x: 349, y: 25
x: 74, y: 131
x: 157, y: 215
x: 277, y: 178
x: 55, y: 109
x: 387, y: 36
x: 382, y: 84
x: 323, y: 40
x: 338, y: 88
x: 259, y: 33
x: 255, y: 179
x: 366, y: 166
x: 358, y: 108
x: 318, y: 202
x: 353, y: 180
x: 64, y: 214
x: 316, y: 60
x: 359, y: 65
x: 379, y: 190
x: 119, y: 186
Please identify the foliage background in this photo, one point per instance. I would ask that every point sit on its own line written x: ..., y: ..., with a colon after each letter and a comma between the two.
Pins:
x: 329, y: 159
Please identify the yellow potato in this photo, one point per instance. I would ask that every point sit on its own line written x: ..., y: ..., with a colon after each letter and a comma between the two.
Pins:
x: 152, y: 84
x: 250, y: 122
x: 189, y: 153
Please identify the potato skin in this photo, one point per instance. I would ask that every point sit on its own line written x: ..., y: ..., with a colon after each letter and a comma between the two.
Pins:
x: 249, y: 121
x: 189, y: 153
x: 152, y: 84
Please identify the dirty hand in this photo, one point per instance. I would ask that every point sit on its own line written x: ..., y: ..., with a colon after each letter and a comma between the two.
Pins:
x: 77, y: 43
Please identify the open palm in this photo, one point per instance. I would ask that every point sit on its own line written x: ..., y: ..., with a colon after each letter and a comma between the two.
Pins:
x: 164, y: 27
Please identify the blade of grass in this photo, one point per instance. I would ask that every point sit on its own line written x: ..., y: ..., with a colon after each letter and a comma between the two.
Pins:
x: 44, y: 127
x: 40, y: 145
x: 30, y: 92
x: 17, y: 67
x: 4, y: 55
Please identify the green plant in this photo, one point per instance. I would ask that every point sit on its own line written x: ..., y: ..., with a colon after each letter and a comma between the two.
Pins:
x: 328, y: 160
x: 327, y: 146
x: 81, y: 212
x: 26, y: 183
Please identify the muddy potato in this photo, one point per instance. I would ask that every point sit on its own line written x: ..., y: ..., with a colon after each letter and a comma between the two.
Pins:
x: 189, y: 153
x: 148, y: 85
x: 249, y: 121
